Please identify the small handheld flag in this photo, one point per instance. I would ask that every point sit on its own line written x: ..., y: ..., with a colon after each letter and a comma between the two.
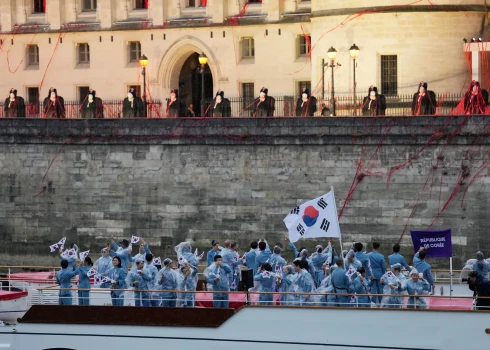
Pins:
x: 62, y: 241
x: 83, y: 255
x: 233, y: 285
x: 200, y: 256
x: 97, y: 279
x: 91, y: 272
x: 69, y: 253
x: 244, y: 258
x: 195, y: 253
x: 157, y: 261
x: 134, y: 239
x: 53, y: 248
x: 278, y: 268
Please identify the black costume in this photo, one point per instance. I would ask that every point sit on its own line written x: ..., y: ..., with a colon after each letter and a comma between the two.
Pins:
x: 54, y: 106
x: 325, y: 110
x: 374, y: 106
x: 134, y: 108
x: 305, y: 105
x: 424, y: 103
x: 265, y: 107
x: 475, y: 99
x: 174, y: 107
x: 14, y: 106
x: 221, y: 109
x: 92, y: 107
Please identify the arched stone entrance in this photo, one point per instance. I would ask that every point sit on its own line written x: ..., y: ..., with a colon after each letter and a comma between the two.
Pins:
x: 190, y: 84
x: 179, y: 65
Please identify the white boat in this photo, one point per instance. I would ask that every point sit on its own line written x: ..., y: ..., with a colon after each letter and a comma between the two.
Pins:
x: 250, y: 328
x: 13, y: 305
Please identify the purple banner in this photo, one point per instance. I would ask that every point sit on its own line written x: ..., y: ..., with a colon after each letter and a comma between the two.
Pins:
x: 437, y: 243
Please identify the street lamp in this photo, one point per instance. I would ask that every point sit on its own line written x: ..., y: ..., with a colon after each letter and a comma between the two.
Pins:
x: 332, y: 54
x: 354, y: 53
x: 202, y: 60
x: 143, y: 61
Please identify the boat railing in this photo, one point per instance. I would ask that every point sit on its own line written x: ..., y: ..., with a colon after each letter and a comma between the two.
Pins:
x: 50, y: 295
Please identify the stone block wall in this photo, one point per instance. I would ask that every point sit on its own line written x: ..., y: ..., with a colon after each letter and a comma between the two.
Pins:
x: 169, y: 180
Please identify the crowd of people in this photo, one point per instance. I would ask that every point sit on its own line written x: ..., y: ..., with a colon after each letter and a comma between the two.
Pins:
x: 354, y: 279
x: 424, y: 102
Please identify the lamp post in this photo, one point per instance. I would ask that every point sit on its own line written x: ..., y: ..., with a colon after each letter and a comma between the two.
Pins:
x: 332, y: 53
x: 143, y: 61
x: 354, y: 53
x: 202, y: 60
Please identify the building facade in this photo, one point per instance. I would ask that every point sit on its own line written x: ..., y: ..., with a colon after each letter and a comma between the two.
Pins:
x: 75, y: 45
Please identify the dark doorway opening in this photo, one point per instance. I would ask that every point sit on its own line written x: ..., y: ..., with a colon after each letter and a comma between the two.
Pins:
x: 190, y: 84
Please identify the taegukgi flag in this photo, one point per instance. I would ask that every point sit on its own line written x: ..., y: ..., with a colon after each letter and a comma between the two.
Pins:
x: 315, y: 218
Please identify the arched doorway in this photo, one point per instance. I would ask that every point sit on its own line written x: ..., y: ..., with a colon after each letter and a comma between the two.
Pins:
x: 190, y: 84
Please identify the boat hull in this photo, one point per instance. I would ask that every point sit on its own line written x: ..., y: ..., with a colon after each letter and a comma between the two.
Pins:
x: 251, y: 328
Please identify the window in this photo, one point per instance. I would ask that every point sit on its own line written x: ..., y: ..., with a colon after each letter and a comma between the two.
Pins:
x: 134, y: 51
x: 389, y: 74
x: 82, y: 93
x: 83, y: 54
x: 33, y: 95
x: 304, y: 44
x: 248, y: 48
x: 136, y: 88
x: 248, y: 95
x: 196, y: 3
x: 39, y: 6
x: 304, y: 85
x: 140, y: 4
x: 89, y: 5
x: 33, y: 56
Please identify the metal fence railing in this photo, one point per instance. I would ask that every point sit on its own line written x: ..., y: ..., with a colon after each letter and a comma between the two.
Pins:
x: 285, y: 106
x: 112, y: 109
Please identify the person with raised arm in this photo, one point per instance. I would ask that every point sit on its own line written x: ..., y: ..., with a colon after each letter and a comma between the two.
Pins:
x: 213, y: 252
x: 63, y: 278
x: 397, y: 258
x: 423, y: 267
x: 122, y: 252
x: 378, y: 268
x: 104, y: 264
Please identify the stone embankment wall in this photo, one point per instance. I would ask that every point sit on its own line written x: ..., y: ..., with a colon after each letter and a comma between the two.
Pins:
x: 171, y: 180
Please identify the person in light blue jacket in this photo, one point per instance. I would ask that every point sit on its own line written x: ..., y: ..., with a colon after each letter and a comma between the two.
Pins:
x: 397, y: 258
x: 417, y: 287
x: 423, y: 267
x: 481, y: 266
x: 277, y: 261
x: 63, y: 278
x: 263, y: 256
x: 266, y: 278
x: 155, y: 297
x: 84, y: 282
x: 363, y: 258
x: 230, y: 258
x: 103, y: 265
x: 250, y: 257
x: 351, y: 261
x: 214, y: 251
x: 143, y: 251
x: 318, y: 259
x: 361, y: 286
x: 217, y: 276
x: 302, y: 283
x: 286, y: 283
x: 167, y: 279
x: 122, y: 252
x: 378, y: 267
x: 187, y: 282
x: 341, y: 284
x: 140, y: 280
x: 118, y: 281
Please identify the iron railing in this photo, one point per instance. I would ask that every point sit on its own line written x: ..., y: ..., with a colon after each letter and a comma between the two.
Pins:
x: 112, y: 109
x: 285, y: 106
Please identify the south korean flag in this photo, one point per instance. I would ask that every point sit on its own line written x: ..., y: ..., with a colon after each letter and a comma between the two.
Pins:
x: 315, y: 218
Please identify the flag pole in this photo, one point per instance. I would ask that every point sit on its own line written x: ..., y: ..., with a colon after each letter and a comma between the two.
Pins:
x: 338, y: 225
